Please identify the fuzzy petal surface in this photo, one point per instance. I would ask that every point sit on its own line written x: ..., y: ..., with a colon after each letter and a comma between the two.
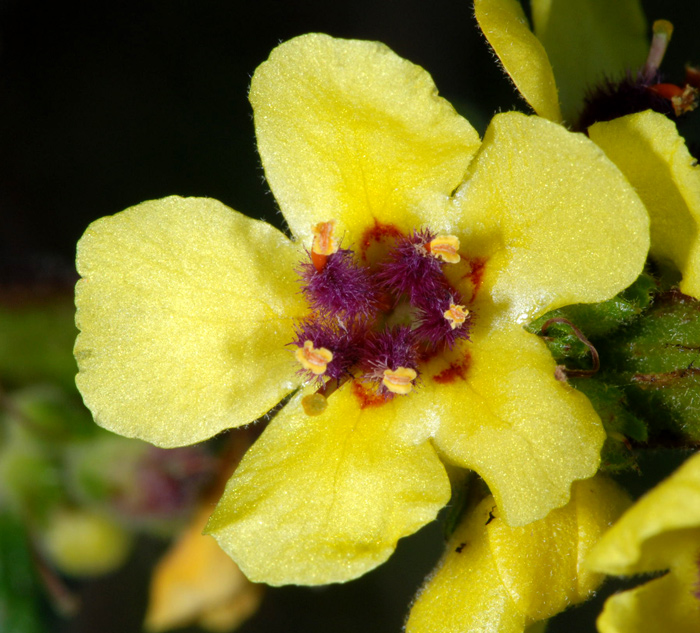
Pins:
x: 658, y: 529
x: 500, y: 579
x: 589, y: 41
x: 557, y: 221
x: 325, y: 499
x: 527, y: 434
x: 659, y: 532
x: 348, y: 130
x: 652, y: 154
x: 505, y: 26
x: 659, y: 606
x: 184, y: 308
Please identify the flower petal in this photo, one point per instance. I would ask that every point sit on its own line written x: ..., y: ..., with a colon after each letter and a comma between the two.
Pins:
x: 661, y: 605
x: 184, y: 308
x: 658, y: 530
x: 527, y: 434
x: 325, y: 499
x: 589, y: 41
x: 649, y: 151
x: 523, y: 57
x: 500, y: 579
x: 348, y: 130
x: 556, y: 219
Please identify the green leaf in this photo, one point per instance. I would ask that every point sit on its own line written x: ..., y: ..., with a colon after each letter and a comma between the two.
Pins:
x: 19, y: 588
x: 30, y: 482
x: 36, y: 343
x: 51, y: 413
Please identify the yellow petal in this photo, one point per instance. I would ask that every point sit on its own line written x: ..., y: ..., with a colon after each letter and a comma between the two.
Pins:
x: 500, y: 579
x: 197, y: 581
x: 528, y: 435
x: 556, y: 219
x: 185, y: 308
x: 524, y: 58
x: 658, y: 530
x: 649, y: 151
x: 325, y: 499
x: 666, y: 604
x: 348, y: 130
x: 588, y: 41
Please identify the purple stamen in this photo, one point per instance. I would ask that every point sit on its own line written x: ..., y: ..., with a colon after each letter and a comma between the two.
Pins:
x: 343, y: 288
x: 343, y: 342
x: 411, y: 270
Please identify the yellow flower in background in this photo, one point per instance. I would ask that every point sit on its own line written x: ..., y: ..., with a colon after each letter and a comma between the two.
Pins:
x: 660, y: 532
x: 575, y: 45
x: 420, y: 253
x: 498, y: 579
x: 197, y: 583
x: 646, y: 146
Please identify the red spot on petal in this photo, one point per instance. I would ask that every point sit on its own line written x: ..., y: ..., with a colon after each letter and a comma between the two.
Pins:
x: 475, y: 274
x: 457, y: 369
x: 378, y: 233
x: 367, y: 396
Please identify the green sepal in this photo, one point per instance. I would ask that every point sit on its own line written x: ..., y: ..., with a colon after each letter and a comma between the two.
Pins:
x: 658, y: 361
x: 610, y: 402
x: 19, y: 588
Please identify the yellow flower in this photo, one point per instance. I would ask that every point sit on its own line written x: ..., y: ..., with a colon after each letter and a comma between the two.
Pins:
x: 659, y: 532
x: 495, y: 578
x: 196, y: 582
x: 646, y: 146
x: 187, y: 311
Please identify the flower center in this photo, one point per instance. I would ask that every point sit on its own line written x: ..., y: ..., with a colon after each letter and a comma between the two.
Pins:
x: 376, y: 320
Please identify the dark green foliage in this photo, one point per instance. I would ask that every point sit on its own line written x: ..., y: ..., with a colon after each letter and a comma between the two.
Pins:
x: 19, y: 589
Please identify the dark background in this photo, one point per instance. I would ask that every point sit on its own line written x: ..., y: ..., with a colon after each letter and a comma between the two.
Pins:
x: 106, y: 104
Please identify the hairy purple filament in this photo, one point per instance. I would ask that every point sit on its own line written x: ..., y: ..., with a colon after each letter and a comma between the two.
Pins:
x: 384, y: 317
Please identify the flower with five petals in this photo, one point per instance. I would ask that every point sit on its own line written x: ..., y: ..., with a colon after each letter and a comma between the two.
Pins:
x: 192, y: 320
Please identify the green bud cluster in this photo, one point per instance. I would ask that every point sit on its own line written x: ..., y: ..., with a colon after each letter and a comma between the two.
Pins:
x: 647, y: 389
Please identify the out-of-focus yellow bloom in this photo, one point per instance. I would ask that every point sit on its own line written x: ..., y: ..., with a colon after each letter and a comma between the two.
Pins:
x: 499, y: 579
x: 659, y: 532
x: 646, y: 147
x: 186, y: 310
x: 196, y: 582
x: 576, y: 44
x: 85, y: 543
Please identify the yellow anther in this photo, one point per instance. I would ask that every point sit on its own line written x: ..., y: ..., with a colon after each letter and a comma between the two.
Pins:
x: 314, y: 404
x: 315, y: 360
x: 400, y: 380
x: 456, y: 315
x: 324, y: 243
x: 446, y: 247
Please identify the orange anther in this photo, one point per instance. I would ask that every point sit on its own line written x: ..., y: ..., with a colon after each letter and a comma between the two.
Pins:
x: 400, y: 380
x: 446, y: 247
x: 456, y: 315
x: 315, y: 360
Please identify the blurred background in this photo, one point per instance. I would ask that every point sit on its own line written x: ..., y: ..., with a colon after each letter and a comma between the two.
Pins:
x: 105, y: 105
